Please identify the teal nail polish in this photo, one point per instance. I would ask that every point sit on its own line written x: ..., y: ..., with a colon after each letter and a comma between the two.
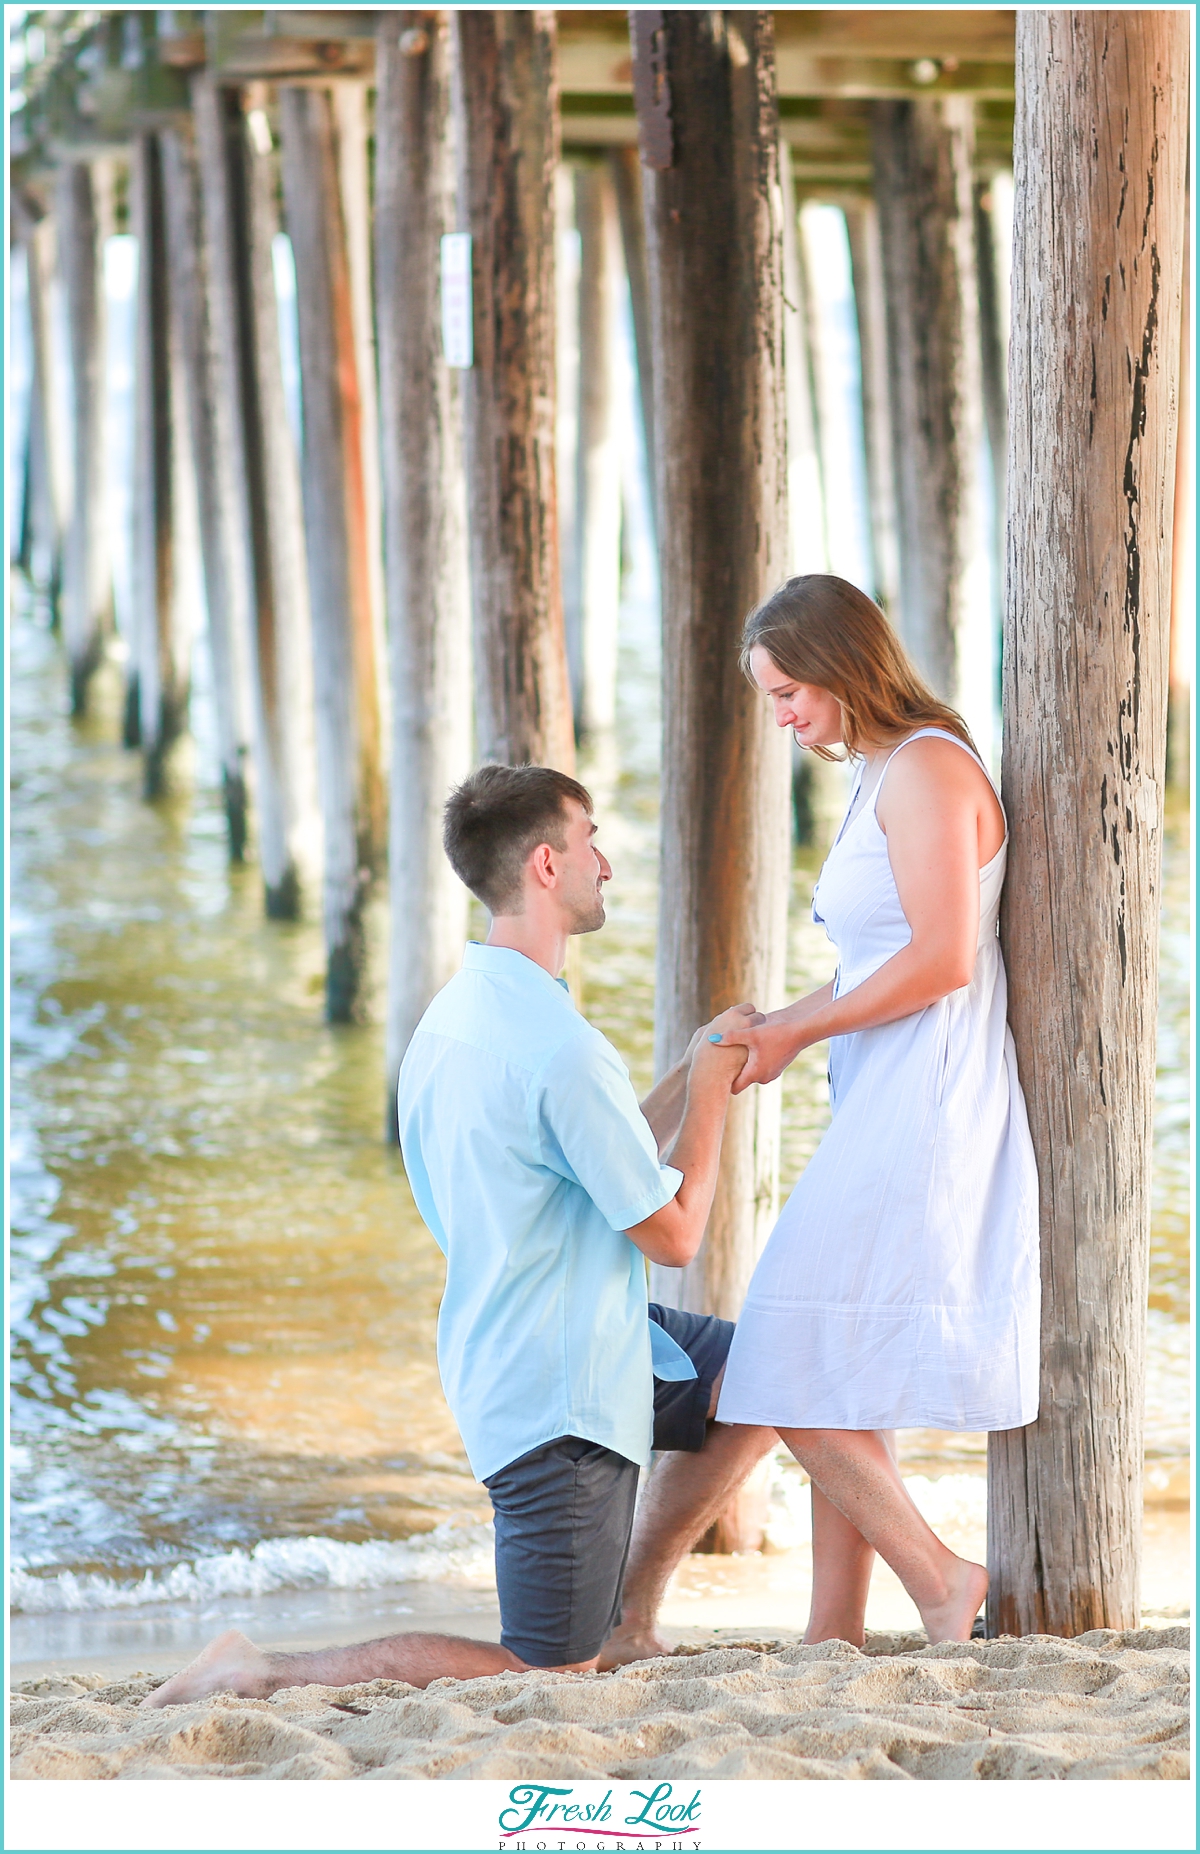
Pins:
x: 714, y: 1039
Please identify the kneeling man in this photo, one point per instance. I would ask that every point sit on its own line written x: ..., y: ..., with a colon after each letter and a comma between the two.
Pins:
x: 541, y: 1180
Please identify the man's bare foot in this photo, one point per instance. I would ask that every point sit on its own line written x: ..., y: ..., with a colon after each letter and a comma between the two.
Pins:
x: 951, y: 1619
x: 230, y: 1664
x: 626, y: 1645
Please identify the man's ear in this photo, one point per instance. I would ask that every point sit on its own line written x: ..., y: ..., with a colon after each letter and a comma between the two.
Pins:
x: 541, y: 865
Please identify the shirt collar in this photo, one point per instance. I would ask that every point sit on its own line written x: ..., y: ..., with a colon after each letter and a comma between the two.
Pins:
x: 506, y: 959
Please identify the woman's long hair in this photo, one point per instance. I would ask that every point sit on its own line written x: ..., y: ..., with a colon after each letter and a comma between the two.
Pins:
x: 822, y: 630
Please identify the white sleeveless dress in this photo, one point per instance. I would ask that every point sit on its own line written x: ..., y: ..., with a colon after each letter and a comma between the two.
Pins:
x: 900, y: 1286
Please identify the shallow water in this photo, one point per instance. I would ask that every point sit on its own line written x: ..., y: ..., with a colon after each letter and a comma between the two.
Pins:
x: 223, y: 1300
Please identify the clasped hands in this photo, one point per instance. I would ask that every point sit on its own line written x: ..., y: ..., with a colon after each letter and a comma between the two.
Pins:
x: 769, y: 1043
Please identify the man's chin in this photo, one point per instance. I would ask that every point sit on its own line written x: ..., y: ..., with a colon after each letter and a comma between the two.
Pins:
x: 590, y: 923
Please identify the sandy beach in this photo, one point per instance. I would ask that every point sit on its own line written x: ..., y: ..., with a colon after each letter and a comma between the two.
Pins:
x: 1108, y: 1705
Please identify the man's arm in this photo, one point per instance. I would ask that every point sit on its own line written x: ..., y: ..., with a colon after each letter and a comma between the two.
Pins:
x: 673, y: 1234
x: 664, y: 1105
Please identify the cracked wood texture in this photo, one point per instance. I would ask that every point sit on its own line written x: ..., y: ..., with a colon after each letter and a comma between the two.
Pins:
x: 505, y: 90
x: 714, y: 223
x: 424, y: 509
x: 337, y: 532
x: 1100, y: 150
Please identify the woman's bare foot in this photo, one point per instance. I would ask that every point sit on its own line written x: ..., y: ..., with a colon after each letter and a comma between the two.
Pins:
x: 230, y: 1664
x: 632, y: 1644
x: 951, y: 1619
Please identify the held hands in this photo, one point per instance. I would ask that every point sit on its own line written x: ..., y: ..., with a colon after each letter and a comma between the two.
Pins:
x: 717, y: 1047
x: 769, y: 1045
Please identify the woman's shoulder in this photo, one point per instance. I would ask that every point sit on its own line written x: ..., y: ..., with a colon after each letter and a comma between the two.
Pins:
x: 938, y: 757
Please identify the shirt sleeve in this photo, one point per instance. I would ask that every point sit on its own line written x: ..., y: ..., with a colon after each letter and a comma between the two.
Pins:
x: 592, y: 1131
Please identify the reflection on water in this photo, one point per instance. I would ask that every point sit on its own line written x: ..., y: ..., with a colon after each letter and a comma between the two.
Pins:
x: 223, y: 1299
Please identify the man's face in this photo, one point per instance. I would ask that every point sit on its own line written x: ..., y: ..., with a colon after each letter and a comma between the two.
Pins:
x: 582, y: 872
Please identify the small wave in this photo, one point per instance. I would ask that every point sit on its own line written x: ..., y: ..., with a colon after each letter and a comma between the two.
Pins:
x: 463, y: 1553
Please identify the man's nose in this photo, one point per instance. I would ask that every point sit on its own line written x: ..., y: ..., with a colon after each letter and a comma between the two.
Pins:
x: 605, y: 867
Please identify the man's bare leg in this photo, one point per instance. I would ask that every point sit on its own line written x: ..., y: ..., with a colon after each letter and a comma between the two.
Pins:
x: 232, y: 1664
x: 858, y: 1474
x: 679, y: 1503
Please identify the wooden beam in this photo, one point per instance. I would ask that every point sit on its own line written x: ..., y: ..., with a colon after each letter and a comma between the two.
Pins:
x: 190, y: 303
x: 627, y: 178
x: 425, y: 538
x: 268, y: 575
x: 870, y: 304
x: 713, y: 220
x: 506, y: 113
x: 926, y: 221
x: 1102, y: 108
x: 87, y: 571
x: 338, y: 543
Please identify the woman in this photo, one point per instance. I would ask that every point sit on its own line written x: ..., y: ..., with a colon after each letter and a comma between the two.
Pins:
x: 900, y: 1286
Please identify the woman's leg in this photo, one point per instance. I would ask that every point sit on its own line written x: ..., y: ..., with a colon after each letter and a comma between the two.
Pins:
x: 842, y: 1564
x: 842, y: 1561
x: 857, y: 1473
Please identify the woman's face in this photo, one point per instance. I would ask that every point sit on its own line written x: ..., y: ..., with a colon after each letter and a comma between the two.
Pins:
x: 813, y: 714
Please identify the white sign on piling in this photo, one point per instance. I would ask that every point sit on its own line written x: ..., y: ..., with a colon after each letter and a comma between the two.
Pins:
x: 458, y: 343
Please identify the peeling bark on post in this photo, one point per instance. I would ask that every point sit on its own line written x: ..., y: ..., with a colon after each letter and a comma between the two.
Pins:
x: 268, y: 579
x: 87, y: 577
x: 506, y: 114
x: 425, y: 535
x: 338, y: 543
x: 714, y: 219
x: 598, y: 491
x: 164, y: 627
x: 870, y: 303
x: 627, y: 177
x: 922, y: 153
x: 1100, y: 147
x: 190, y: 308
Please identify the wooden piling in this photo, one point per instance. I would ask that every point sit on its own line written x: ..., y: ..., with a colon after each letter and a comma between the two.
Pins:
x: 425, y: 538
x: 1101, y: 129
x: 714, y: 223
x: 338, y: 544
x: 191, y: 308
x: 627, y: 179
x: 161, y: 658
x: 268, y: 574
x: 598, y: 490
x: 505, y: 93
x: 49, y: 487
x: 870, y: 306
x: 1183, y: 549
x: 87, y: 575
x: 923, y: 179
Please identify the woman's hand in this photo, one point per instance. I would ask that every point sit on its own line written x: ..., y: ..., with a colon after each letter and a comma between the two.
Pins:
x: 770, y: 1047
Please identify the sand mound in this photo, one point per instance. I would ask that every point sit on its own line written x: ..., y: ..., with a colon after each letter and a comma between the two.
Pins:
x: 1106, y: 1705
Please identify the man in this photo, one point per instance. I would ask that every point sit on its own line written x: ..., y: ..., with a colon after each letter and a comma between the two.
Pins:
x: 541, y: 1180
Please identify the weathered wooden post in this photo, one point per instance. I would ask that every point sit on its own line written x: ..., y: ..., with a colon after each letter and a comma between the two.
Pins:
x: 49, y: 466
x: 268, y: 576
x: 808, y: 547
x: 190, y: 308
x: 87, y: 579
x: 160, y: 661
x: 425, y: 536
x: 1101, y: 131
x: 1183, y: 551
x: 338, y: 544
x: 922, y: 154
x: 626, y: 167
x: 598, y: 490
x: 505, y: 90
x: 705, y: 88
x: 870, y: 305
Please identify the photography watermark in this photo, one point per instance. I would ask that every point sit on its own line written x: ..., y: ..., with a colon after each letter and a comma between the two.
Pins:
x: 658, y: 1819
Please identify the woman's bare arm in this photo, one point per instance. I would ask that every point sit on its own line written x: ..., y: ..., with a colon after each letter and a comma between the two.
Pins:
x: 939, y: 813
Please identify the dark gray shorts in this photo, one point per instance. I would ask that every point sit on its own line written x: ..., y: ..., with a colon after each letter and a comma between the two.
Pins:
x: 564, y: 1513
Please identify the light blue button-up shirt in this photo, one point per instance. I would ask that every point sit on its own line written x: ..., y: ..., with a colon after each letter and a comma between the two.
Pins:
x: 529, y: 1158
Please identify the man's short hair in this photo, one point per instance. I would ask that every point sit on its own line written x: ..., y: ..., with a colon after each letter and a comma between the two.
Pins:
x: 496, y: 817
